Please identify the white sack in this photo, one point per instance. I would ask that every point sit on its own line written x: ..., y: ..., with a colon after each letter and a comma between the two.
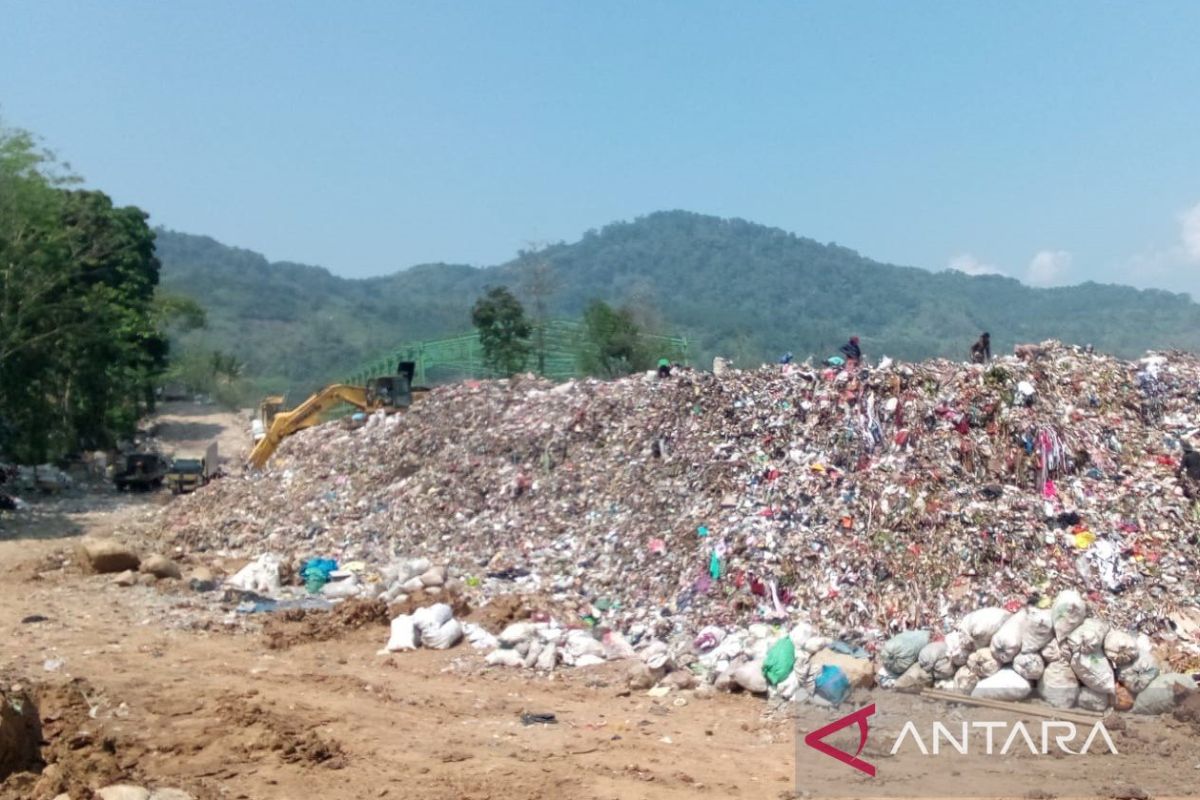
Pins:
x: 1006, y: 644
x: 965, y: 680
x: 1039, y: 630
x: 505, y: 658
x: 1058, y: 686
x: 1120, y: 647
x: 1094, y: 672
x: 403, y: 636
x: 983, y: 663
x: 982, y: 625
x: 1004, y: 685
x: 1029, y: 666
x: 959, y: 647
x: 1088, y: 637
x: 1068, y: 613
x: 933, y: 659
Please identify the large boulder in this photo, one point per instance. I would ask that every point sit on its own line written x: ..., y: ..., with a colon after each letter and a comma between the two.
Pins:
x: 101, y: 555
x: 860, y: 671
x: 123, y: 791
x: 160, y: 567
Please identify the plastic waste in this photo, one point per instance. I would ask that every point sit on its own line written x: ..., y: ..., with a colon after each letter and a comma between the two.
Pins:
x: 315, y: 573
x: 832, y: 685
x: 780, y: 661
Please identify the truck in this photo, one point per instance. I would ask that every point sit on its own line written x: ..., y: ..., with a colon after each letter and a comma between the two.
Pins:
x: 192, y: 469
x: 139, y: 471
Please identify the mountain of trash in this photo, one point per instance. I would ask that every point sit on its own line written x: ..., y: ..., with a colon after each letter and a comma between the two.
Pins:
x: 897, y: 497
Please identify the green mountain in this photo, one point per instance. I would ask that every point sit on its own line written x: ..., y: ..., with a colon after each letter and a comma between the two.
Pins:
x: 733, y: 287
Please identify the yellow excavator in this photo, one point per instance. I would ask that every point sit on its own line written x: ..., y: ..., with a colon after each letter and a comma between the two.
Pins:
x: 390, y: 393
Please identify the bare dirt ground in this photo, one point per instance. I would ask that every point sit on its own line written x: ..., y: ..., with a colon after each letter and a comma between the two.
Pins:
x: 154, y: 684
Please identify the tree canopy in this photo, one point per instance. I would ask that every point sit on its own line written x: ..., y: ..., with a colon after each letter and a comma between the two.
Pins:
x: 614, y: 346
x: 503, y: 330
x: 80, y: 336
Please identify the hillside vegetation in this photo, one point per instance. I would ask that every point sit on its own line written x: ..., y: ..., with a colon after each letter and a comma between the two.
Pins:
x: 733, y: 287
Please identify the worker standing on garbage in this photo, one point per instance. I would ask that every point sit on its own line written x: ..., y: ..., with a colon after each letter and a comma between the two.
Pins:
x: 981, y: 351
x: 1189, y: 472
x: 664, y: 368
x: 852, y: 352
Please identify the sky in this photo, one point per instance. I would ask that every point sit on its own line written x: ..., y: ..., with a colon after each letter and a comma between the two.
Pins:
x: 1052, y: 142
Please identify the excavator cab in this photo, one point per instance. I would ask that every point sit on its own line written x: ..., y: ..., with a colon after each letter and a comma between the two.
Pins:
x: 392, y: 392
x: 389, y: 392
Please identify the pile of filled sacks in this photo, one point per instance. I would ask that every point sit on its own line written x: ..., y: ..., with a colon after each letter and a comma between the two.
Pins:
x: 433, y: 626
x: 1059, y: 654
x: 546, y: 645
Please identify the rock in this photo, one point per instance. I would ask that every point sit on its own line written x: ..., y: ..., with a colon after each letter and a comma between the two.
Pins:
x: 860, y: 671
x: 201, y: 579
x: 433, y: 591
x: 126, y: 578
x: 99, y: 555
x: 170, y: 794
x: 435, y: 576
x: 680, y: 679
x: 123, y: 791
x: 160, y: 567
x: 146, y: 579
x: 641, y: 677
x: 705, y: 691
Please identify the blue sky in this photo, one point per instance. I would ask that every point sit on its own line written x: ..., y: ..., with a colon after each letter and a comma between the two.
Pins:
x: 1055, y: 142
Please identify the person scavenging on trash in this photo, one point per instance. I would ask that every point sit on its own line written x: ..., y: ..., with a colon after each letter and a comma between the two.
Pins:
x: 664, y: 368
x: 852, y: 352
x: 981, y: 351
x: 1189, y: 471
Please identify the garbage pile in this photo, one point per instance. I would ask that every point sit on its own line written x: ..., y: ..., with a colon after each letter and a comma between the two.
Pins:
x: 897, y: 498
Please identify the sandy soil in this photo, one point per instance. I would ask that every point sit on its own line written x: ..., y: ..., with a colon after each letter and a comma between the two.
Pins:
x: 161, y: 685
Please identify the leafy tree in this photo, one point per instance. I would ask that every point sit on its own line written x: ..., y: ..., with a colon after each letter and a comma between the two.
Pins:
x: 503, y: 330
x: 614, y: 344
x: 80, y: 347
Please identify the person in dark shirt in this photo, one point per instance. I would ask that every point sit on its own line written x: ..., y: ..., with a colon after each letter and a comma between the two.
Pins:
x: 852, y: 352
x: 981, y: 351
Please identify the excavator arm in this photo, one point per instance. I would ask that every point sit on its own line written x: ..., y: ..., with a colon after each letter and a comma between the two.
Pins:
x: 304, y: 415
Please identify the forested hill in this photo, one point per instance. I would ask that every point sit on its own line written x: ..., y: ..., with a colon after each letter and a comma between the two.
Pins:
x: 734, y: 287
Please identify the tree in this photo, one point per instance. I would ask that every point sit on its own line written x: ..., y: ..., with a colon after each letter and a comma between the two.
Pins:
x: 80, y: 345
x: 614, y: 345
x: 503, y: 330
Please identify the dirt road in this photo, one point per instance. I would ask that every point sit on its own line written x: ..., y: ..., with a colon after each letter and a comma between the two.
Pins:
x: 163, y: 685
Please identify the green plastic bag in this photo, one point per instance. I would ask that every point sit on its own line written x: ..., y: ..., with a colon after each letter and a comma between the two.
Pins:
x: 714, y: 566
x: 780, y: 661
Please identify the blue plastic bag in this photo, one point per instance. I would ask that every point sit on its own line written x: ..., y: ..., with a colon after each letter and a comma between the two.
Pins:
x: 848, y: 650
x: 316, y: 573
x: 832, y: 684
